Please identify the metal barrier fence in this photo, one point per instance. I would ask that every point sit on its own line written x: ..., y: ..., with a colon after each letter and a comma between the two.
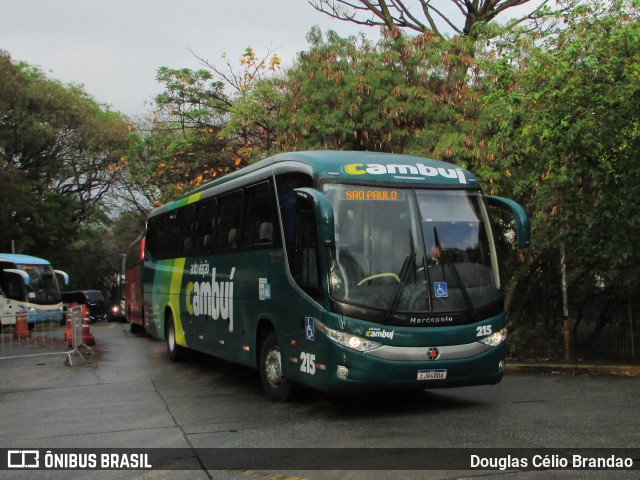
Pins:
x: 19, y: 339
x: 603, y: 322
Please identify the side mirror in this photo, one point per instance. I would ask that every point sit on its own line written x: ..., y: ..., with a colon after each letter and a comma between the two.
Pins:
x: 523, y: 226
x: 16, y: 282
x: 62, y: 277
x: 324, y: 214
x: 26, y: 279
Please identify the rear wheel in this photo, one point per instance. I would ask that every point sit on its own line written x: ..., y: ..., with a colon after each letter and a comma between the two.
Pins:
x: 276, y: 386
x: 177, y: 353
x: 135, y: 328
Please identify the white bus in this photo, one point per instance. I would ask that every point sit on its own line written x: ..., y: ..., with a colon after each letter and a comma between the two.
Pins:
x: 30, y: 285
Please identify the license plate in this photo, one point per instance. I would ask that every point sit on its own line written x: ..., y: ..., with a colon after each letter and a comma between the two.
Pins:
x: 432, y: 374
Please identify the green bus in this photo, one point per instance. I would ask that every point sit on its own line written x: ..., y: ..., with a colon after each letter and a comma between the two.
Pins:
x: 343, y: 271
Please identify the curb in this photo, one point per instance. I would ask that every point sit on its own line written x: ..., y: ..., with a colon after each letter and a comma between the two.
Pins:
x: 574, y: 369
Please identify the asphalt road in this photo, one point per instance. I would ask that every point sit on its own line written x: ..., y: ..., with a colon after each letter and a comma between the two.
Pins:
x: 129, y: 395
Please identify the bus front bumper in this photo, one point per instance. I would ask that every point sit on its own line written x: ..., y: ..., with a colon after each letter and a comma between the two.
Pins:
x: 355, y: 371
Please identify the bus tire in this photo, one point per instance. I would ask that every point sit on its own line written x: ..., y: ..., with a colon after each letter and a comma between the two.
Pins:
x: 135, y: 328
x: 177, y: 353
x: 276, y: 386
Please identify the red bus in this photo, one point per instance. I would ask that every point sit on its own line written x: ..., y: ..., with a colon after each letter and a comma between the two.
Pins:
x: 133, y: 284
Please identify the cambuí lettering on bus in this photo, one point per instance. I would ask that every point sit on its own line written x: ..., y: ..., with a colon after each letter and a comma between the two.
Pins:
x: 210, y: 297
x: 418, y: 169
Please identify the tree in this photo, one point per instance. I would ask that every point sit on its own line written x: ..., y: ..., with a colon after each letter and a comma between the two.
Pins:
x: 200, y: 130
x: 59, y: 137
x: 563, y: 112
x: 60, y: 156
x: 392, y: 96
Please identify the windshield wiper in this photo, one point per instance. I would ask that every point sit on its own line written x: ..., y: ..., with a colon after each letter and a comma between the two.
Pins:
x: 407, y: 267
x: 465, y: 295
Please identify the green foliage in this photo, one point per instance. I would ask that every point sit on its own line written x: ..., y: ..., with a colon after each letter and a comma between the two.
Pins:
x: 201, y: 128
x: 394, y: 95
x: 191, y: 99
x: 567, y: 110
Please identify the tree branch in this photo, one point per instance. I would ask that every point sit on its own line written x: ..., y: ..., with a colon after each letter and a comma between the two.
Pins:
x: 393, y: 14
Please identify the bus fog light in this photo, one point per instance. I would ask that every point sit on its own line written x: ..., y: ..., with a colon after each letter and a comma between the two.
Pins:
x: 342, y: 372
x: 501, y: 366
x: 495, y: 339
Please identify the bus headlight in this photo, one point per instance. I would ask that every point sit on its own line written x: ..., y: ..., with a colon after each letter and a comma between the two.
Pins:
x: 495, y: 339
x: 347, y: 340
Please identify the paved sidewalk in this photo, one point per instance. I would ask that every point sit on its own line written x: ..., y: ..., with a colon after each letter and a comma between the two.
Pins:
x: 574, y: 368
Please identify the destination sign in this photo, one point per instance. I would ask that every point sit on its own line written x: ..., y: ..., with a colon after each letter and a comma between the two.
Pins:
x: 372, y: 194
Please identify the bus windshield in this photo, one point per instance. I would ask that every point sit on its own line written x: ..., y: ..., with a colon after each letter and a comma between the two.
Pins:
x: 43, y: 286
x: 409, y: 251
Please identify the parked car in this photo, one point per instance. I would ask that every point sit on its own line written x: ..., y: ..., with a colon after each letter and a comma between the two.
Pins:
x: 93, y: 299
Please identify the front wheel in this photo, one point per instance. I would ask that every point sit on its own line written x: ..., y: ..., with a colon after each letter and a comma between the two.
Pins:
x: 276, y: 386
x: 177, y: 353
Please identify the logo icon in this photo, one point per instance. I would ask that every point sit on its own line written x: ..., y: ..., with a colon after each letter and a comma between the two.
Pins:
x: 23, y: 459
x: 433, y: 353
x: 310, y: 328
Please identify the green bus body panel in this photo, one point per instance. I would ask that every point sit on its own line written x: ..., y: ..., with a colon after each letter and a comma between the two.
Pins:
x: 218, y: 301
x: 367, y: 372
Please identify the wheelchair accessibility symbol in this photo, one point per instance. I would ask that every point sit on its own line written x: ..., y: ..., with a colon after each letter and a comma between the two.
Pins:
x: 310, y: 328
x: 440, y: 289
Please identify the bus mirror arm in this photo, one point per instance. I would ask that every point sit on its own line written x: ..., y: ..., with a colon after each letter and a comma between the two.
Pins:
x: 323, y: 212
x: 21, y: 273
x: 62, y: 276
x: 523, y: 227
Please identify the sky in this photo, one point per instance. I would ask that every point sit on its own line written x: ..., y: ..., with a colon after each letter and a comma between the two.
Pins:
x: 114, y: 48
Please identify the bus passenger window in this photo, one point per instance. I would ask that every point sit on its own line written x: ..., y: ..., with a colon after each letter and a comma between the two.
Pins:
x: 186, y: 224
x: 258, y: 221
x: 228, y: 220
x: 164, y: 234
x: 203, y: 227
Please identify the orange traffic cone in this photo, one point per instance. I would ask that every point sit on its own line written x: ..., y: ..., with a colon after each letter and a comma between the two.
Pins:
x: 68, y: 334
x: 87, y: 338
x: 85, y: 314
x: 21, y: 329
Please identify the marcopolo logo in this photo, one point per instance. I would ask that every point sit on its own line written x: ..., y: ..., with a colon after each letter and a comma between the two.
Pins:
x: 213, y: 298
x: 418, y: 169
